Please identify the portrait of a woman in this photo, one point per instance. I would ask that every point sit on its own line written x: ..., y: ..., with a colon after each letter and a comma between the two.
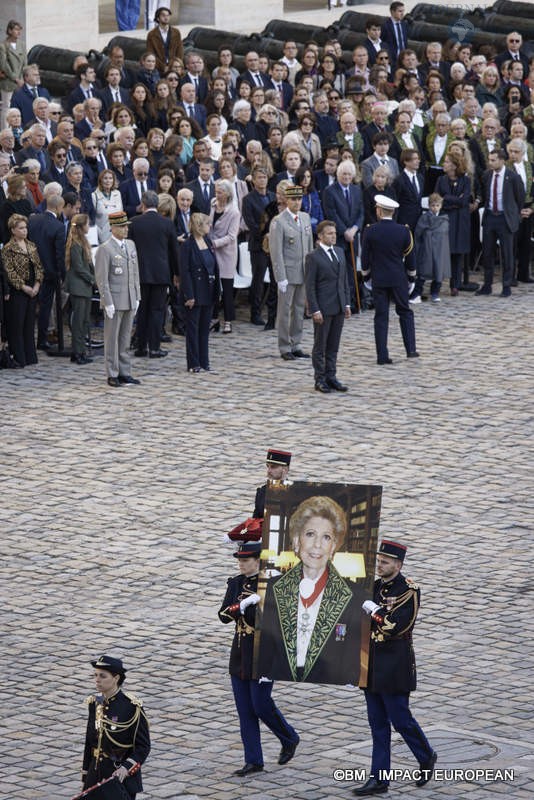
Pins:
x: 310, y: 628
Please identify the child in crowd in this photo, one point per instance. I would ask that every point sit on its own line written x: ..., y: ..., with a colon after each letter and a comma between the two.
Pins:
x: 432, y: 251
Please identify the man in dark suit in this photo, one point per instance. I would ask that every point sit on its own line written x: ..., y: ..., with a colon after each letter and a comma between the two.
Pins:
x: 379, y: 124
x: 325, y: 177
x: 284, y: 88
x: 343, y: 204
x: 373, y: 43
x: 41, y: 114
x: 513, y: 52
x: 116, y: 59
x: 394, y: 33
x: 133, y: 189
x: 252, y: 73
x: 86, y: 87
x: 114, y: 92
x: 328, y: 296
x: 392, y: 676
x: 203, y: 187
x: 91, y: 120
x: 48, y: 234
x: 157, y: 250
x: 503, y: 198
x: 56, y: 172
x: 23, y: 98
x: 194, y: 65
x: 37, y: 149
x: 254, y: 205
x: 192, y: 108
x: 200, y: 154
x: 65, y: 135
x: 385, y: 246
x: 432, y: 62
x: 327, y: 126
x: 409, y: 189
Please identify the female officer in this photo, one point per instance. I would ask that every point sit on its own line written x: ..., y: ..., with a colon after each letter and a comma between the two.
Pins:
x: 117, y: 737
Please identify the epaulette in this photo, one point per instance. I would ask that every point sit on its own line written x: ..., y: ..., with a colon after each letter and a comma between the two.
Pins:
x: 412, y: 584
x: 133, y: 698
x: 90, y: 699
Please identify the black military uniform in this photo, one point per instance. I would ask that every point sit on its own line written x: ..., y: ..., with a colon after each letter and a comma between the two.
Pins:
x: 252, y: 697
x: 387, y: 257
x: 117, y: 735
x: 277, y: 458
x: 392, y: 675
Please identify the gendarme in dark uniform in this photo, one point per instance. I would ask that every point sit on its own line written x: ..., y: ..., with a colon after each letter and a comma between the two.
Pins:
x: 392, y: 674
x: 278, y: 462
x: 252, y: 697
x: 117, y: 734
x: 387, y: 258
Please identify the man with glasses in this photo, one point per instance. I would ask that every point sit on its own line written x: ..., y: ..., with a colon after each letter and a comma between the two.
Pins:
x: 133, y: 189
x: 513, y: 52
x: 58, y: 156
x: 384, y: 60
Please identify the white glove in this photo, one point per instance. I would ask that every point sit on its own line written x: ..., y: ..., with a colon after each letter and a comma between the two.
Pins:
x: 227, y: 540
x: 370, y: 607
x: 251, y: 600
x: 368, y: 285
x: 265, y: 680
x: 110, y: 311
x: 282, y: 285
x: 137, y: 304
x: 411, y: 287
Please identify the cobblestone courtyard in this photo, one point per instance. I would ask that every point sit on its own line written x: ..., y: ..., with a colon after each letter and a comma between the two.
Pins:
x: 114, y: 502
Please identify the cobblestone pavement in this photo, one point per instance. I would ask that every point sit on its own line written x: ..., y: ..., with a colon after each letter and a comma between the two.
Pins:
x: 113, y: 506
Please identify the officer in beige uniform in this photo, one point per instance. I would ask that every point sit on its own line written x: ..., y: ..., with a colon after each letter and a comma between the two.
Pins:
x: 290, y: 241
x: 117, y: 278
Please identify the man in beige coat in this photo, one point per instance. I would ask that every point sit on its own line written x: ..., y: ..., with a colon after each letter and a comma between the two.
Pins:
x: 13, y: 59
x: 290, y: 241
x: 117, y: 278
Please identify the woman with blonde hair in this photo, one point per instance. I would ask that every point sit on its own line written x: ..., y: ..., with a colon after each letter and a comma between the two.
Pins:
x: 224, y: 221
x: 106, y: 200
x: 24, y: 275
x: 79, y: 282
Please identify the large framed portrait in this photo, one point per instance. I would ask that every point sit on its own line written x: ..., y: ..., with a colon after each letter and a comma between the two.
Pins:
x: 319, y: 543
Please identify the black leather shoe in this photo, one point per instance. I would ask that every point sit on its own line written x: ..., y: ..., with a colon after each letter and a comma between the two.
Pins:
x: 371, y: 787
x: 165, y: 338
x: 300, y: 354
x: 158, y: 353
x: 427, y: 770
x: 384, y: 361
x: 113, y: 382
x: 257, y: 321
x: 269, y: 325
x: 322, y: 387
x: 484, y: 290
x: 128, y: 379
x: 287, y: 753
x: 526, y: 280
x: 335, y: 384
x: 43, y: 346
x: 141, y: 353
x: 287, y: 356
x: 506, y: 292
x: 248, y: 769
x: 178, y: 331
x: 414, y: 354
x: 215, y: 326
x: 80, y: 359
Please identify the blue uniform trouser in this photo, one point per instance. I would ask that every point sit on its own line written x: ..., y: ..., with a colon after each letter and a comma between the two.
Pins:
x: 381, y: 297
x: 385, y: 710
x: 253, y: 702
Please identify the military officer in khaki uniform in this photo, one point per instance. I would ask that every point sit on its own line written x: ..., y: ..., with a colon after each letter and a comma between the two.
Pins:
x: 290, y: 241
x: 117, y: 278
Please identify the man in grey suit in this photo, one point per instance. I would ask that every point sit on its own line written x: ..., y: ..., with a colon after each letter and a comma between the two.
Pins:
x: 380, y: 158
x: 290, y: 241
x: 117, y: 278
x: 328, y: 296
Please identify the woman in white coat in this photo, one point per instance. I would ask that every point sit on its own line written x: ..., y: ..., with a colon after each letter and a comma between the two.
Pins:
x: 106, y: 199
x: 224, y: 230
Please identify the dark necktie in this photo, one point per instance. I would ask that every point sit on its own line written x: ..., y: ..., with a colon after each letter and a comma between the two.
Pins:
x: 332, y: 254
x: 347, y: 197
x: 35, y: 92
x: 415, y: 185
x: 206, y: 193
x: 495, y: 201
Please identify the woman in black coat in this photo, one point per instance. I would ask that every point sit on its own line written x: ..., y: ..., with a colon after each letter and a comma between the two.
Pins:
x: 199, y: 280
x: 382, y: 184
x: 455, y: 188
